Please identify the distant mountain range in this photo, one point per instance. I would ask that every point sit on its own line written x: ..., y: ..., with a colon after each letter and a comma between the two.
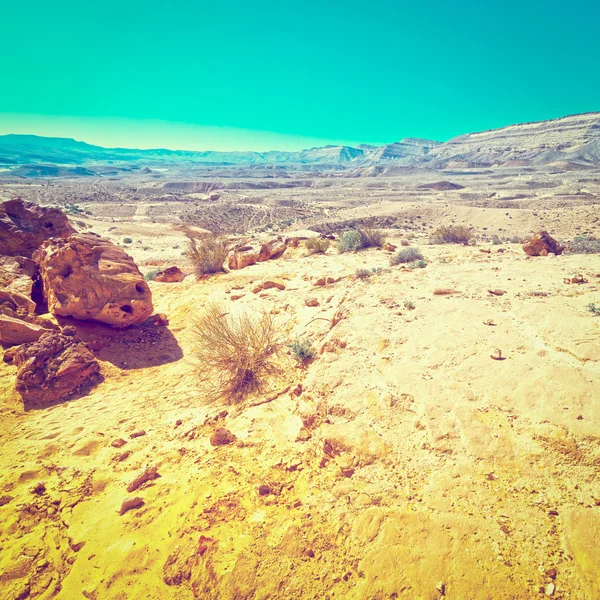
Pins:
x: 574, y: 140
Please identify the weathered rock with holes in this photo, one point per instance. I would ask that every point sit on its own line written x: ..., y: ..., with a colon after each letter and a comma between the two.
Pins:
x: 24, y: 226
x: 542, y: 244
x: 90, y: 278
x: 170, y: 275
x: 17, y: 284
x: 53, y: 368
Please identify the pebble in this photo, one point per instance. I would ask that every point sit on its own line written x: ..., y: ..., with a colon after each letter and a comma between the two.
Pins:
x: 130, y: 504
x: 137, y: 434
x: 147, y: 475
x: 118, y: 443
x: 221, y: 437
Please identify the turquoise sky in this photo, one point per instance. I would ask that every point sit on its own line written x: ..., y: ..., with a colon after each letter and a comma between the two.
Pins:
x: 287, y: 74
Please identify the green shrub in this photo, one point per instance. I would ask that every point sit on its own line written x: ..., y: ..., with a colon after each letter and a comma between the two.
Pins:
x: 407, y: 255
x: 410, y: 305
x: 455, y: 234
x: 357, y: 239
x: 595, y: 310
x: 127, y: 240
x: 418, y: 264
x: 584, y: 245
x: 371, y: 238
x: 150, y: 275
x: 317, y: 245
x: 302, y: 350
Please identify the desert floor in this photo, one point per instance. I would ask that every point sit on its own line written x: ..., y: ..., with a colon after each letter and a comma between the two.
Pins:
x: 412, y: 464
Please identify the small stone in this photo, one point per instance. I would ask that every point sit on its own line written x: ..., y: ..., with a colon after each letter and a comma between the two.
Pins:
x: 130, y: 504
x: 118, y: 443
x: 222, y: 437
x: 550, y: 573
x: 497, y: 354
x: 311, y: 302
x: 39, y: 488
x: 496, y: 292
x: 147, y: 475
x: 137, y: 434
x: 5, y: 500
x: 549, y: 589
x: 441, y: 588
x: 264, y: 490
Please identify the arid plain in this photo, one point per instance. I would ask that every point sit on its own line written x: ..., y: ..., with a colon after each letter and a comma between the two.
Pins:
x: 403, y: 461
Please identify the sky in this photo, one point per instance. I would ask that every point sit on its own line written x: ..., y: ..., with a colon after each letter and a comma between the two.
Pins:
x: 267, y: 74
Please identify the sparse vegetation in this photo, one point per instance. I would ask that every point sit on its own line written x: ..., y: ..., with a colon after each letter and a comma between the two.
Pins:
x: 410, y: 305
x: 207, y: 254
x: 407, y: 255
x: 417, y: 264
x: 585, y: 245
x: 594, y: 309
x: 150, y: 275
x: 404, y: 243
x: 236, y: 355
x: 362, y: 273
x: 317, y: 245
x: 127, y: 240
x: 454, y: 234
x: 302, y: 350
x: 357, y: 239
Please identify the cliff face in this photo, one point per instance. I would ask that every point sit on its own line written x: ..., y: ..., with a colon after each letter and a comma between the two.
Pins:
x: 574, y: 139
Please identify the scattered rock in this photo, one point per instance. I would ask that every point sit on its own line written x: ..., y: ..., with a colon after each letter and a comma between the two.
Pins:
x: 137, y: 434
x: 497, y: 354
x: 549, y: 589
x: 222, y: 437
x: 542, y: 244
x: 237, y: 296
x: 389, y: 247
x: 243, y: 257
x: 550, y: 573
x: 264, y: 490
x: 5, y: 499
x: 267, y: 285
x: 24, y: 226
x: 160, y: 320
x: 118, y: 443
x: 147, y: 475
x: 53, y: 368
x: 325, y: 280
x: 90, y: 278
x: 271, y: 250
x: 576, y: 279
x: 441, y: 588
x: 130, y: 504
x: 496, y: 292
x: 39, y: 488
x: 485, y: 250
x: 170, y: 275
x: 311, y: 302
x: 490, y: 323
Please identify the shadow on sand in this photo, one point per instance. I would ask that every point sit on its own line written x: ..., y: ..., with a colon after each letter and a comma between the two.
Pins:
x: 135, y: 347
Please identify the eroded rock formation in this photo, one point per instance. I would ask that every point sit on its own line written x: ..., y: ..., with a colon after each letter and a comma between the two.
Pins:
x: 24, y: 226
x: 90, y: 278
x: 542, y: 244
x: 17, y: 282
x: 170, y: 275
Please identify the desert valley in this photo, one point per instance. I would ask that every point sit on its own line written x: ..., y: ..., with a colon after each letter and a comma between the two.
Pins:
x: 424, y: 421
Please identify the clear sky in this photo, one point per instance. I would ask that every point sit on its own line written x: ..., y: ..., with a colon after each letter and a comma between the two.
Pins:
x: 283, y: 74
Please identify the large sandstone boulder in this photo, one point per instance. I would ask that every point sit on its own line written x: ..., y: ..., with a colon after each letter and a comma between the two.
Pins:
x: 53, y: 368
x: 271, y: 250
x: 542, y: 244
x: 17, y: 283
x: 24, y: 226
x: 90, y: 278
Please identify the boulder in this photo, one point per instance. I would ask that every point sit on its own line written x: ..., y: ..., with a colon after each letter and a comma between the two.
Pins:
x: 170, y: 275
x: 14, y: 332
x: 272, y: 249
x: 89, y: 278
x: 243, y: 257
x: 542, y: 244
x: 53, y: 368
x: 17, y: 285
x: 24, y: 226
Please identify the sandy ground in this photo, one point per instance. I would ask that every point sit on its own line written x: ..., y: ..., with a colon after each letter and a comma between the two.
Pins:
x: 412, y: 465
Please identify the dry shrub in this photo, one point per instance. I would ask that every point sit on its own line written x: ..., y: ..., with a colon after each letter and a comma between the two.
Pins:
x: 371, y: 238
x: 455, y: 234
x: 236, y: 355
x: 444, y: 292
x: 207, y: 254
x: 317, y: 245
x: 357, y: 239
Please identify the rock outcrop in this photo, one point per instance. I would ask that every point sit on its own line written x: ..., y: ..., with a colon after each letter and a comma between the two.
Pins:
x: 14, y: 332
x: 24, y: 226
x: 53, y: 368
x: 542, y: 244
x: 17, y: 283
x: 249, y: 255
x: 170, y: 275
x: 89, y: 278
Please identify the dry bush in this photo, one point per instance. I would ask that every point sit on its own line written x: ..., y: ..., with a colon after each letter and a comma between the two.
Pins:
x: 207, y: 254
x: 357, y: 239
x: 317, y: 245
x: 455, y: 234
x: 407, y: 255
x: 371, y: 238
x: 236, y: 355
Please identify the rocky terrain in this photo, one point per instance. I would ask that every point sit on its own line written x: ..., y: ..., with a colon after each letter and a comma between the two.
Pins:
x: 442, y: 441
